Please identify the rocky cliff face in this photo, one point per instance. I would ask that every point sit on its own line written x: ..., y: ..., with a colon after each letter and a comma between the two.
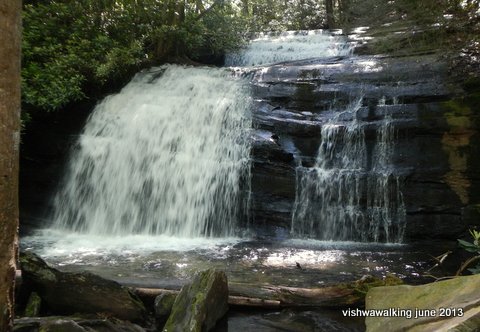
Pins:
x: 435, y: 142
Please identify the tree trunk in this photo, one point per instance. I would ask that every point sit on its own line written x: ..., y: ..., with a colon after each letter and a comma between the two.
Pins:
x: 344, y: 10
x: 171, y: 13
x: 10, y: 34
x: 180, y: 12
x: 330, y: 16
x: 199, y: 7
x: 245, y: 10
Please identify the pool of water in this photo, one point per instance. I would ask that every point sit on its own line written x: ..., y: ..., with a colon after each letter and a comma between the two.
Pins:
x: 161, y: 261
x: 290, y: 320
x: 267, y: 258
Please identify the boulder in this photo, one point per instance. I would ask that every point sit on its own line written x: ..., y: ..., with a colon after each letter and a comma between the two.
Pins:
x: 450, y: 305
x: 201, y: 304
x: 68, y: 293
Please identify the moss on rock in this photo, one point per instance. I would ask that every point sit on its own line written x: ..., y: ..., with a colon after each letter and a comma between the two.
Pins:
x: 451, y: 305
x: 200, y: 304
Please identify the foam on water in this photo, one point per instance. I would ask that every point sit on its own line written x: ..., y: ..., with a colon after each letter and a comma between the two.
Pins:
x: 290, y: 46
x: 63, y: 244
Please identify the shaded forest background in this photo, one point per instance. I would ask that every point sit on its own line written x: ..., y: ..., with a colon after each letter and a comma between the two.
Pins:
x: 82, y: 49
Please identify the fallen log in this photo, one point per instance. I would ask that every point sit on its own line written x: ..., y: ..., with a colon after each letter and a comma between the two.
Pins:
x: 151, y: 293
x: 252, y: 302
x: 340, y: 295
x: 271, y: 296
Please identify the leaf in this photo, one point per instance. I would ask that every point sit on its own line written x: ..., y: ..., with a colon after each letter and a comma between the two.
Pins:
x: 475, y: 270
x: 470, y: 247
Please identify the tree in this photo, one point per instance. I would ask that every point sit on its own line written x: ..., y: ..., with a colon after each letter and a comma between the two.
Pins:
x: 10, y: 32
x: 330, y: 14
x: 74, y: 50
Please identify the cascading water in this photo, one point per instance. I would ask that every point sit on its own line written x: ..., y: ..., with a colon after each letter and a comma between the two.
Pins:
x: 289, y: 46
x: 351, y: 193
x: 159, y: 179
x: 167, y: 155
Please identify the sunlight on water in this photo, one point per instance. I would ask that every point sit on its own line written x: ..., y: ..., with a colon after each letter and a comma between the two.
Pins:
x: 310, y: 258
x: 338, y: 245
x: 162, y: 261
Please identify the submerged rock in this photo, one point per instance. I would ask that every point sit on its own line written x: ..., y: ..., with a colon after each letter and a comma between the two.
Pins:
x: 67, y: 293
x: 451, y: 305
x: 200, y: 304
x: 73, y: 324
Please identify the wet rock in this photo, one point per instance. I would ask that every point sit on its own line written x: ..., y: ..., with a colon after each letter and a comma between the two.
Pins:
x: 67, y: 293
x: 433, y: 153
x: 451, y: 305
x: 73, y: 324
x: 200, y: 304
x: 61, y: 325
x: 163, y: 305
x: 45, y: 145
x: 471, y: 215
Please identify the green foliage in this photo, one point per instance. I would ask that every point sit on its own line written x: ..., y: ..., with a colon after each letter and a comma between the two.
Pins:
x: 67, y: 45
x: 76, y: 49
x: 223, y: 30
x: 473, y: 247
x: 274, y: 15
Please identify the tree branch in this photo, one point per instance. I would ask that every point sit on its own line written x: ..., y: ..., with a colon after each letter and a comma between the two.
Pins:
x: 209, y: 9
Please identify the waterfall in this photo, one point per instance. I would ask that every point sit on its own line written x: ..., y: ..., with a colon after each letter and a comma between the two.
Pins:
x: 169, y: 155
x: 352, y: 192
x: 289, y: 46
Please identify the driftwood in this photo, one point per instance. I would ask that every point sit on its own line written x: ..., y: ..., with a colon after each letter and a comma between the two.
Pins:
x: 270, y: 296
x: 151, y: 293
x: 253, y: 302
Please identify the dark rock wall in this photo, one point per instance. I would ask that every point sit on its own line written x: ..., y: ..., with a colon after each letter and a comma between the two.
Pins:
x: 45, y: 145
x: 436, y: 145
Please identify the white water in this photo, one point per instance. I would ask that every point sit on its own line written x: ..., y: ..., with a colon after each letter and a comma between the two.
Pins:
x: 351, y: 194
x: 168, y: 155
x: 290, y: 46
x: 57, y: 243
